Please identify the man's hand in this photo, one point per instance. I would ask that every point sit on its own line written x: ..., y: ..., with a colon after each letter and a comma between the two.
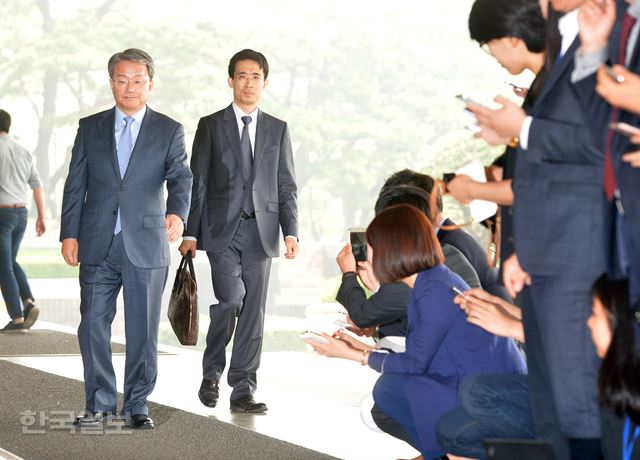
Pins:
x: 174, y: 226
x: 188, y: 246
x: 458, y: 188
x: 291, y: 243
x: 514, y: 277
x: 41, y: 226
x: 506, y: 122
x: 365, y: 272
x: 633, y: 158
x: 622, y: 95
x: 70, y: 251
x: 491, y: 137
x: 596, y: 19
x: 345, y: 259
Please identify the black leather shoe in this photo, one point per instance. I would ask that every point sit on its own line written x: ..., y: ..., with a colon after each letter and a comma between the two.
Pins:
x: 209, y: 393
x: 93, y: 418
x: 140, y: 422
x: 246, y: 404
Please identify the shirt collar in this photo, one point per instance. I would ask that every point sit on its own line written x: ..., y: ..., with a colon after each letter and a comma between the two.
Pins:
x: 138, y: 116
x: 634, y: 9
x: 240, y: 113
x: 568, y: 24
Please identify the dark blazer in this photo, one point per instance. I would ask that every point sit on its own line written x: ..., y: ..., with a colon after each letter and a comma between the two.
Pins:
x: 219, y: 185
x: 94, y: 191
x: 466, y: 244
x: 387, y: 308
x: 558, y: 184
x: 598, y: 115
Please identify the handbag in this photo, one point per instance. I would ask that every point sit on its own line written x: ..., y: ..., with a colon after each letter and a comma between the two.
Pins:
x: 183, y: 303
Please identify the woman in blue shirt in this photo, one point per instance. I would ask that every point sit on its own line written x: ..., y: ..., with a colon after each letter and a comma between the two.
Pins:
x: 416, y: 387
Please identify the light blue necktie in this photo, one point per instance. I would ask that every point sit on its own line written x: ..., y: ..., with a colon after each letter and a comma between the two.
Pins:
x: 125, y: 146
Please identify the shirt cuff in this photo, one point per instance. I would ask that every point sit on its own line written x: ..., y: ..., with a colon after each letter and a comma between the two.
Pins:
x: 587, y: 64
x: 524, y: 133
x: 291, y: 236
x: 189, y: 238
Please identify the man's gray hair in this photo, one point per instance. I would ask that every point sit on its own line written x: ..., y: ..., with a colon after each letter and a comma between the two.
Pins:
x: 134, y: 55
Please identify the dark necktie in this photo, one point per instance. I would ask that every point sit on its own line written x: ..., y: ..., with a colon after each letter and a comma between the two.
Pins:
x: 610, y: 183
x: 125, y: 146
x: 247, y: 163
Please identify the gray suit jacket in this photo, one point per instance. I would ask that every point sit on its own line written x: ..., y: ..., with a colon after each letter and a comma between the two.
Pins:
x: 93, y: 190
x: 219, y: 185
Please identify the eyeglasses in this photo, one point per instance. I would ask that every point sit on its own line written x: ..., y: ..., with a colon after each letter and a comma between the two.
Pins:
x: 245, y: 77
x: 123, y: 82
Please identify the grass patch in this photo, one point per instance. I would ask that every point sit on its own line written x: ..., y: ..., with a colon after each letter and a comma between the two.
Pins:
x: 45, y: 263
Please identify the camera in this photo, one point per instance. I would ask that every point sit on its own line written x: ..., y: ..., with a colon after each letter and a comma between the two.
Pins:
x: 358, y: 243
x: 446, y: 178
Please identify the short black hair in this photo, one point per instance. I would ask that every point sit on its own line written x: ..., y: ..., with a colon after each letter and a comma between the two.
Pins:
x: 410, y: 177
x: 5, y: 121
x: 404, y: 194
x: 495, y: 19
x: 250, y: 55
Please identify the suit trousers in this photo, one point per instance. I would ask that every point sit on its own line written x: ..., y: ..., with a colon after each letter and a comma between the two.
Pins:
x: 142, y: 292
x: 240, y: 276
x: 561, y: 358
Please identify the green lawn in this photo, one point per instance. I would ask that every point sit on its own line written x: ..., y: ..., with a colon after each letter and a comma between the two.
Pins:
x: 45, y: 263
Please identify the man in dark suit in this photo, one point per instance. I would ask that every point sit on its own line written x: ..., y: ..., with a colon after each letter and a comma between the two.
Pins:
x: 244, y: 191
x: 611, y: 37
x: 557, y: 227
x: 116, y: 225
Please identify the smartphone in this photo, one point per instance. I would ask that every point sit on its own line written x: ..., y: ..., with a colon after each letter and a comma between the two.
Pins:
x: 314, y: 337
x: 466, y: 99
x: 446, y: 178
x: 458, y: 291
x: 473, y: 128
x: 358, y: 243
x: 624, y: 128
x: 614, y: 76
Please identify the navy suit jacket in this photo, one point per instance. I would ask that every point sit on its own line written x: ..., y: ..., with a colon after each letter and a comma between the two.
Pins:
x: 598, y: 113
x: 558, y: 207
x: 219, y: 185
x: 442, y: 349
x: 94, y: 190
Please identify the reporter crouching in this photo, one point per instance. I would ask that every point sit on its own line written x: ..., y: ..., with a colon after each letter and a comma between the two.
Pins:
x: 416, y: 387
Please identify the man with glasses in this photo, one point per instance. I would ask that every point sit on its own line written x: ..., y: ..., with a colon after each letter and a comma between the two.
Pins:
x: 116, y: 224
x: 244, y: 190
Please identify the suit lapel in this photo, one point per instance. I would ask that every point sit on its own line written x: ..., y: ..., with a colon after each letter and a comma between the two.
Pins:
x: 230, y: 128
x: 144, y: 136
x: 556, y: 72
x: 106, y: 126
x: 262, y: 134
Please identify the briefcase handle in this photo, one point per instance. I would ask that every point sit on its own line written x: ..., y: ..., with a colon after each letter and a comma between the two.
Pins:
x: 187, y: 260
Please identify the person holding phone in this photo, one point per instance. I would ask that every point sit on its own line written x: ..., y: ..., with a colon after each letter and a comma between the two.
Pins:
x: 607, y: 80
x: 416, y: 387
x: 557, y: 220
x: 513, y: 32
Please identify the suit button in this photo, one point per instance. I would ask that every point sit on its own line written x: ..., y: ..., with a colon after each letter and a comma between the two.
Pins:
x: 510, y: 210
x: 121, y: 188
x: 115, y: 212
x: 244, y: 187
